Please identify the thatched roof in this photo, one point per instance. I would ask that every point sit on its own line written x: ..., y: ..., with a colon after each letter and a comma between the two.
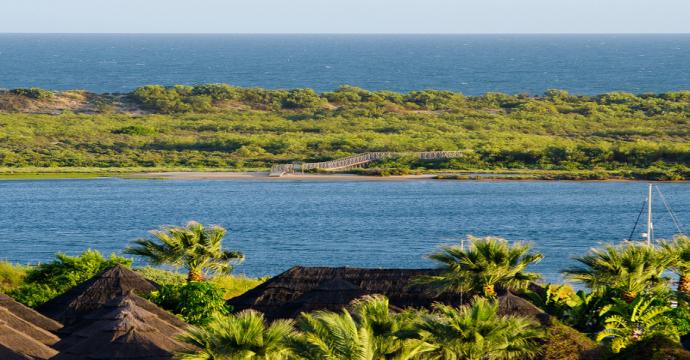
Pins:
x: 329, y: 295
x: 142, y: 309
x: 313, y: 288
x: 94, y: 293
x: 15, y: 344
x: 27, y: 328
x: 122, y: 330
x: 28, y: 314
x: 511, y: 304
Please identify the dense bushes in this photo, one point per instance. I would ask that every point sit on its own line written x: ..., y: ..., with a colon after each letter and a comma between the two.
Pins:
x: 221, y: 126
x: 33, y: 93
x: 196, y: 302
x: 46, y: 281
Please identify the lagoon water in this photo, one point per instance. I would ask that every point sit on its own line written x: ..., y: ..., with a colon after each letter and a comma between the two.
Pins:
x: 278, y: 224
x: 473, y: 64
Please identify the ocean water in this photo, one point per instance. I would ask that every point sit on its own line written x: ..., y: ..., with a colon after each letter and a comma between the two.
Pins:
x: 472, y: 64
x: 279, y: 224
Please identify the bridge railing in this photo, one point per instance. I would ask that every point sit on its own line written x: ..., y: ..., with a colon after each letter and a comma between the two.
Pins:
x: 354, y: 160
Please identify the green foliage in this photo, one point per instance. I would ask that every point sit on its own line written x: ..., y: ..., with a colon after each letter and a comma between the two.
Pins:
x: 195, y: 247
x: 477, y: 332
x: 555, y: 299
x: 217, y: 92
x: 160, y: 276
x: 571, y: 137
x: 45, y: 281
x: 655, y: 347
x: 195, y: 302
x: 627, y: 323
x: 33, y: 93
x: 624, y: 271
x: 302, y: 99
x: 11, y: 275
x: 485, y: 264
x: 371, y: 331
x: 240, y: 336
x: 135, y: 130
x: 235, y: 285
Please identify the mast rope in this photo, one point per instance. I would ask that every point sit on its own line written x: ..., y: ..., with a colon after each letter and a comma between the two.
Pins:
x: 637, y: 221
x: 674, y: 218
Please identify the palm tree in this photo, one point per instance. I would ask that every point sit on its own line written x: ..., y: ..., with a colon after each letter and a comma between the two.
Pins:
x: 242, y: 336
x: 328, y: 335
x: 394, y: 335
x: 679, y: 251
x: 197, y: 248
x: 630, y: 322
x: 487, y: 263
x: 627, y: 270
x: 476, y: 331
x: 369, y: 332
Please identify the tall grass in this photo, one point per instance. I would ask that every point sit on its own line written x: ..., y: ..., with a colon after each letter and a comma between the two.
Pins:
x: 11, y: 275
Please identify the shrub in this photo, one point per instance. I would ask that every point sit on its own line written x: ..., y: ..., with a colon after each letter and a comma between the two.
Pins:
x: 48, y: 280
x: 160, y: 276
x: 235, y: 285
x: 33, y: 93
x: 302, y: 99
x: 216, y: 91
x: 11, y: 275
x: 195, y: 302
x: 135, y: 130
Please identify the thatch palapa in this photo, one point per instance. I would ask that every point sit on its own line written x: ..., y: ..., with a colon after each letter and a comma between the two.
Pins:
x: 141, y: 309
x: 27, y: 328
x: 17, y: 345
x: 123, y: 331
x: 285, y: 294
x: 112, y: 283
x: 28, y: 314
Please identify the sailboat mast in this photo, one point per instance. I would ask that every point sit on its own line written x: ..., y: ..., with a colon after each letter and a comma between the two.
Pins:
x: 650, y: 226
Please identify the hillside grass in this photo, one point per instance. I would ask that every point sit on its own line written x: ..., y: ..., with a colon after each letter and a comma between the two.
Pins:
x: 218, y: 127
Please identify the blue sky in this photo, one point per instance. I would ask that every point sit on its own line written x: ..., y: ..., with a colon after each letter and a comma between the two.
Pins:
x: 348, y: 16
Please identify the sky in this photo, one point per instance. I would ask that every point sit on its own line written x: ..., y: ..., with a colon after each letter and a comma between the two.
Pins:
x: 348, y: 16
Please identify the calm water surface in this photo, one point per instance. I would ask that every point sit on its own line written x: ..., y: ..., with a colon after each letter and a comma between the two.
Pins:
x: 473, y: 64
x: 278, y: 224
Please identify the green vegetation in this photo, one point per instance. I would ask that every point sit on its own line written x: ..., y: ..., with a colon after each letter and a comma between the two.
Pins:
x: 196, y: 248
x: 615, y: 135
x: 487, y: 263
x: 241, y: 336
x: 623, y: 271
x: 195, y: 302
x: 11, y: 275
x: 46, y: 281
x: 629, y: 307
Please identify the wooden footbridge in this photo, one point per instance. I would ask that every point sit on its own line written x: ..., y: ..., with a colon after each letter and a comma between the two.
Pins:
x: 358, y: 160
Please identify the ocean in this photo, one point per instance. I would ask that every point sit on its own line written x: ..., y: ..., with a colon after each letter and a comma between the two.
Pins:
x: 472, y: 64
x: 279, y: 224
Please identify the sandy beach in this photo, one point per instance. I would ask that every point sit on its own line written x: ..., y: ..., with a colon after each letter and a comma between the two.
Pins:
x: 228, y: 175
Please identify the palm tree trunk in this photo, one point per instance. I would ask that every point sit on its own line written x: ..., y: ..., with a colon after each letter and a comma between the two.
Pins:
x: 684, y: 283
x: 489, y: 290
x: 195, y: 275
x: 629, y: 296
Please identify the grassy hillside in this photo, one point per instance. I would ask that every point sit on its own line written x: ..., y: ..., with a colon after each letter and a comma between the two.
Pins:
x: 223, y: 127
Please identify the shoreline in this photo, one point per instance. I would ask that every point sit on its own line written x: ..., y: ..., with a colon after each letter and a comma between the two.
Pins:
x: 264, y: 176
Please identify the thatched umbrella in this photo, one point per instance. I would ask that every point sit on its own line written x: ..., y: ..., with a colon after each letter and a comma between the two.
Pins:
x: 92, y: 294
x: 278, y: 297
x: 17, y: 345
x: 126, y: 332
x: 511, y: 304
x: 333, y: 294
x: 27, y: 328
x: 28, y: 314
x: 114, y: 311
